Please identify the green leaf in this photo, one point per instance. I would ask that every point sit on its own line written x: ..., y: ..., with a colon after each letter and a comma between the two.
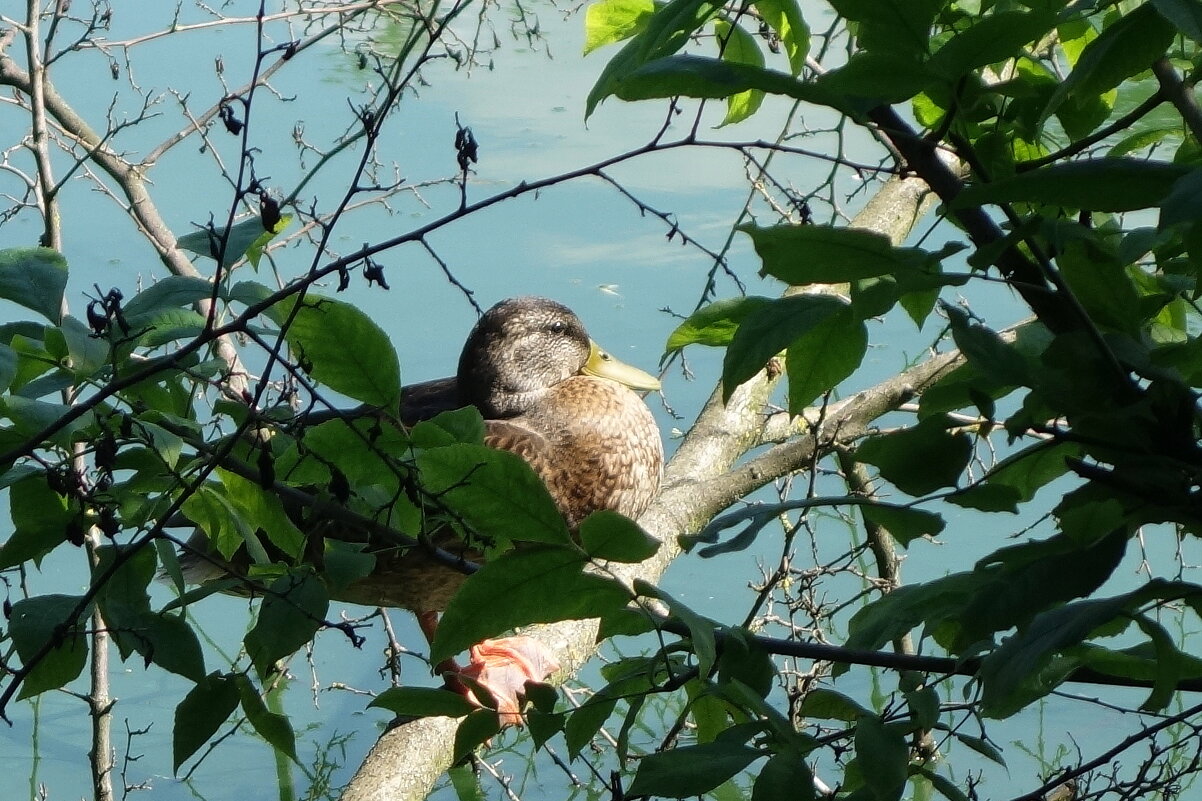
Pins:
x: 988, y: 353
x: 770, y: 329
x: 47, y: 619
x: 919, y: 459
x: 883, y: 756
x: 340, y: 346
x: 475, y: 730
x: 898, y: 26
x: 271, y: 726
x: 243, y: 238
x: 996, y: 37
x: 612, y: 21
x: 740, y: 48
x: 224, y: 525
x: 537, y: 584
x: 423, y: 702
x: 818, y: 254
x: 1125, y: 48
x: 981, y: 746
x: 904, y: 523
x: 40, y: 519
x: 987, y: 498
x: 822, y: 357
x: 784, y: 17
x: 897, y: 613
x: 876, y: 78
x: 293, y: 609
x: 691, y: 770
x: 263, y: 510
x: 449, y: 428
x: 701, y: 629
x: 827, y: 704
x: 34, y: 278
x: 172, y: 292
x: 664, y: 33
x: 784, y: 777
x: 198, y: 717
x: 714, y: 324
x: 1099, y: 184
x: 608, y: 535
x: 1018, y: 582
x: 1186, y: 15
x: 702, y: 77
x: 495, y: 491
x: 1169, y: 662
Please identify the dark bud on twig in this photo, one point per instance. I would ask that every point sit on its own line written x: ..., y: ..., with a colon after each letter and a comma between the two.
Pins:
x: 466, y: 147
x: 344, y: 278
x: 266, y: 467
x: 58, y: 483
x: 339, y: 487
x: 75, y: 532
x: 232, y: 123
x: 106, y: 452
x: 362, y: 60
x: 374, y: 273
x: 98, y: 318
x: 108, y: 522
x: 8, y: 609
x: 269, y: 211
x: 114, y: 70
x: 290, y: 49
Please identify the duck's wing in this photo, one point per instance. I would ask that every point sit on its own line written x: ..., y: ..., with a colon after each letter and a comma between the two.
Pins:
x: 429, y: 398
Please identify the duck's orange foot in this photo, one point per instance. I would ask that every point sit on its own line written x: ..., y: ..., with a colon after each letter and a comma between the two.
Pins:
x: 502, y: 667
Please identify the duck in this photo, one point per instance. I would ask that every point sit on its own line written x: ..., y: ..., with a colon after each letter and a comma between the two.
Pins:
x: 549, y: 394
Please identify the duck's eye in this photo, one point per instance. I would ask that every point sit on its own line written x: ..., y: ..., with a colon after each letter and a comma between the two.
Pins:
x: 557, y: 327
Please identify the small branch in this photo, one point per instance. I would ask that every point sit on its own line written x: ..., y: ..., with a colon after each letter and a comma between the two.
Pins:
x: 1180, y: 94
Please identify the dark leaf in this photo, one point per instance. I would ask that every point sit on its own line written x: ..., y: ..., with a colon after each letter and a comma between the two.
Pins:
x: 919, y: 459
x: 883, y: 756
x: 292, y: 611
x: 47, y: 619
x: 34, y: 278
x: 1098, y: 184
x: 271, y: 726
x: 770, y: 329
x: 423, y: 702
x: 690, y: 770
x: 905, y: 523
x: 198, y: 717
x: 537, y: 584
x: 609, y: 535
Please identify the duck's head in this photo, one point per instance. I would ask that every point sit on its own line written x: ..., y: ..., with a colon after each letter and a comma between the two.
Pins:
x: 522, y: 347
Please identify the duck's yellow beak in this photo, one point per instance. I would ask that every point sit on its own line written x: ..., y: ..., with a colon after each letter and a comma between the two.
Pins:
x: 602, y: 365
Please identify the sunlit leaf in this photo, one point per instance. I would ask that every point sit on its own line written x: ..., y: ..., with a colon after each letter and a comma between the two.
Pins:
x: 714, y: 324
x: 611, y: 21
x: 495, y: 491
